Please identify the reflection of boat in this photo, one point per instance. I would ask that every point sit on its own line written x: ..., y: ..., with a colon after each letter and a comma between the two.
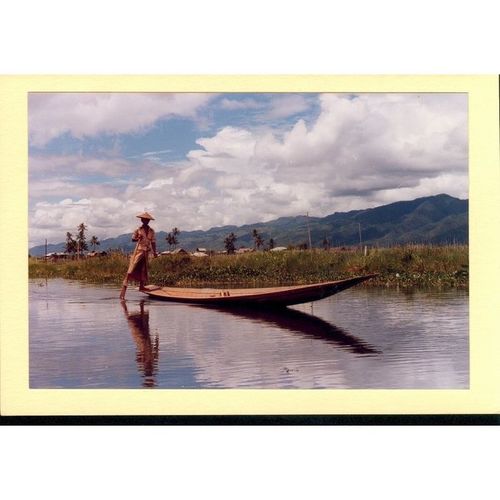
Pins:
x: 147, y: 352
x: 303, y: 323
x: 275, y: 296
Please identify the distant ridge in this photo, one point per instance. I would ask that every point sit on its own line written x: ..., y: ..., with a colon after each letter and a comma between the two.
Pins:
x: 439, y: 219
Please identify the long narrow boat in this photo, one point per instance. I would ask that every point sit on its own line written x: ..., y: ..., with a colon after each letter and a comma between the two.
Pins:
x: 275, y: 296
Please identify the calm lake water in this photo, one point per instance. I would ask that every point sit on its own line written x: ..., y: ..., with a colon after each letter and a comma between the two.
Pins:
x: 82, y: 336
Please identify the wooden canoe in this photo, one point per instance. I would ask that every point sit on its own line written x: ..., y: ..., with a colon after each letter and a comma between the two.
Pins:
x: 275, y: 296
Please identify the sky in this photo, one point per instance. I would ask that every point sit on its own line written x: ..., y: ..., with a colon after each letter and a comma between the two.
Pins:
x: 196, y: 161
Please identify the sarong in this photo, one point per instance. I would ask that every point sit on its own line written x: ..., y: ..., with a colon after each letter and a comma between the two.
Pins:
x: 138, y: 267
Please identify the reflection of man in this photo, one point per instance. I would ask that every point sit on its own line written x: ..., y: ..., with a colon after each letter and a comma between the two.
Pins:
x: 146, y: 353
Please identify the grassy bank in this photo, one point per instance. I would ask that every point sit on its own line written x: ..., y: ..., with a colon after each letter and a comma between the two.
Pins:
x: 409, y: 266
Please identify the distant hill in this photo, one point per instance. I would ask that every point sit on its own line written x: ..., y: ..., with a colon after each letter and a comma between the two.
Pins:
x: 439, y: 219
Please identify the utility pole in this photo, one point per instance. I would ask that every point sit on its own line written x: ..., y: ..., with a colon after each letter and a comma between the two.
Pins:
x: 45, y: 250
x: 360, y: 243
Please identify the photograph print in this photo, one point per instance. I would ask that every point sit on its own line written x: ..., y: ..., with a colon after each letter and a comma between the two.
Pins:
x: 248, y: 240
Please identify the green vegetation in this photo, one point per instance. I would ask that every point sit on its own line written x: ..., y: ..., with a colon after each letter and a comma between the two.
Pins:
x: 406, y: 266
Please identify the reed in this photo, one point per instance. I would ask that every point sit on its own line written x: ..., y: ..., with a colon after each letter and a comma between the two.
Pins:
x: 406, y: 266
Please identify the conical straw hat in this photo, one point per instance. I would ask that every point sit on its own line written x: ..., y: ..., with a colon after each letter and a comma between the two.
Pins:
x: 145, y: 215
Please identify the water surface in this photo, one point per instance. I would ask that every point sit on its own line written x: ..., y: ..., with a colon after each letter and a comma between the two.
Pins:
x: 82, y: 336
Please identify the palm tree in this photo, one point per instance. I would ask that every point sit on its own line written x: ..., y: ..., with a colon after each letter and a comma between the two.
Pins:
x: 257, y: 239
x: 229, y: 243
x: 70, y: 243
x: 80, y: 238
x: 94, y: 241
x: 171, y: 238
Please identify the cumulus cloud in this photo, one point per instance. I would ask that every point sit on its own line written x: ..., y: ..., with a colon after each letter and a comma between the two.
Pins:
x: 360, y: 148
x: 286, y: 105
x: 88, y: 114
x: 104, y: 217
x: 230, y: 150
x: 361, y: 151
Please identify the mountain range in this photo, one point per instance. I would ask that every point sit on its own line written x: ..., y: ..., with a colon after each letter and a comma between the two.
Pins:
x: 439, y: 219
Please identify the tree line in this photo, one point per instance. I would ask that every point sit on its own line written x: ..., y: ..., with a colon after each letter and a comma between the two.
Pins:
x: 78, y: 243
x: 229, y: 241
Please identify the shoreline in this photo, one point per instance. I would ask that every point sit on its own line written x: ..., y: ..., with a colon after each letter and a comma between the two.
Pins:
x: 417, y: 266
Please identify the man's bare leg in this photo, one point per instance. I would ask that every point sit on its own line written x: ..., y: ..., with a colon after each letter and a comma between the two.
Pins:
x: 124, y: 289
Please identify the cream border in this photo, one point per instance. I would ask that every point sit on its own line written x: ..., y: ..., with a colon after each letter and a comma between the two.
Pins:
x: 484, y: 393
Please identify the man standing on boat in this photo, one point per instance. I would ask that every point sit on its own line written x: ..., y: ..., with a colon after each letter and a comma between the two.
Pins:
x: 145, y: 239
